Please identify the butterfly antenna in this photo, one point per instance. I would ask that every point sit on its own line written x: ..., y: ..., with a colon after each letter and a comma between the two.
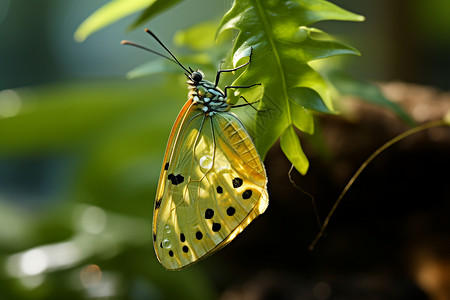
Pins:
x: 125, y: 42
x: 168, y: 51
x: 172, y: 58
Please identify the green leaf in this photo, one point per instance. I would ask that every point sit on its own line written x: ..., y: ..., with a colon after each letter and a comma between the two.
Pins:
x: 283, y: 46
x: 290, y: 144
x: 301, y: 95
x: 154, y: 9
x: 108, y: 14
x: 302, y: 117
x: 366, y: 91
x: 117, y: 9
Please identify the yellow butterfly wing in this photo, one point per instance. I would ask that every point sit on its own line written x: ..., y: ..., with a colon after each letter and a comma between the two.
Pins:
x: 212, y: 185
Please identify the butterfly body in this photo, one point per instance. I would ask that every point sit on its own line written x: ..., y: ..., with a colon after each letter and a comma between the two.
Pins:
x: 212, y: 183
x: 209, y: 98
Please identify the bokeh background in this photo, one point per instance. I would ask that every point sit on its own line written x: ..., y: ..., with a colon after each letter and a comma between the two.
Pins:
x: 81, y: 148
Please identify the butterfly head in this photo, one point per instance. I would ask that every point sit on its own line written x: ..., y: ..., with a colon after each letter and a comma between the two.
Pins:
x: 206, y: 94
x: 196, y: 77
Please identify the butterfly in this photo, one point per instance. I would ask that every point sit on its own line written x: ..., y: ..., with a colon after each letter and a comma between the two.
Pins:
x: 213, y: 182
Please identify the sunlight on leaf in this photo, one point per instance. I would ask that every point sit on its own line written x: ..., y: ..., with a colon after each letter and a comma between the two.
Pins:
x: 290, y: 144
x: 108, y: 14
x: 156, y: 7
x: 283, y: 45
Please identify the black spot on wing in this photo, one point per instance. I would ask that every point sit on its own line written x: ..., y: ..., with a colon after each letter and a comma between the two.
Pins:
x: 182, y: 238
x: 216, y: 227
x: 209, y: 213
x: 231, y: 211
x: 237, y: 182
x: 198, y: 235
x: 175, y: 179
x: 185, y: 249
x: 158, y: 203
x: 166, y: 166
x: 179, y: 178
x: 171, y: 253
x: 247, y: 194
x: 219, y: 190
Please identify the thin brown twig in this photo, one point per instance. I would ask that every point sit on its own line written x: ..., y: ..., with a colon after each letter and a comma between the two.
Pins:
x: 307, y: 194
x: 364, y: 165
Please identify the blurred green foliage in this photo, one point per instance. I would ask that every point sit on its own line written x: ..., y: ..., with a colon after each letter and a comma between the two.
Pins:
x: 112, y: 134
x: 117, y: 9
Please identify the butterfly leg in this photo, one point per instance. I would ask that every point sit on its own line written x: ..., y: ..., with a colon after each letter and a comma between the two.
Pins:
x: 238, y: 87
x: 247, y: 104
x: 220, y: 65
x: 232, y: 70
